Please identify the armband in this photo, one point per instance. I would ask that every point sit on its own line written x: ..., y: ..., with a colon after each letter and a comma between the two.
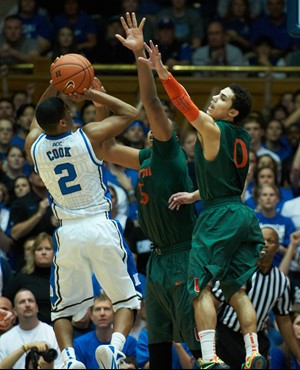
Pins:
x: 180, y: 98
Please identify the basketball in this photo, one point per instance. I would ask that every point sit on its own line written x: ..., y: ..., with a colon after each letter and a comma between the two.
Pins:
x: 72, y: 73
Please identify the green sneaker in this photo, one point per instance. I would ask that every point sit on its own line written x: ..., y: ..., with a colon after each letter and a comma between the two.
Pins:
x: 214, y: 363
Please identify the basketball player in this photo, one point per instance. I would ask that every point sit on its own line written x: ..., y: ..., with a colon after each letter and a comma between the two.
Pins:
x: 87, y: 241
x: 162, y: 169
x: 227, y: 238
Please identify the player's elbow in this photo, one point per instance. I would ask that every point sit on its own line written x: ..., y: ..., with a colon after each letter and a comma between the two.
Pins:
x: 15, y: 233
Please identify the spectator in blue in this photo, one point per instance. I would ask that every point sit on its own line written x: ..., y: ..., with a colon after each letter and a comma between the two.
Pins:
x: 282, y: 357
x: 268, y: 175
x: 237, y: 22
x: 189, y: 24
x: 172, y: 51
x: 274, y: 25
x: 81, y: 23
x: 268, y: 196
x: 24, y: 118
x: 6, y: 135
x: 5, y: 241
x: 275, y: 139
x: 102, y: 317
x: 35, y: 26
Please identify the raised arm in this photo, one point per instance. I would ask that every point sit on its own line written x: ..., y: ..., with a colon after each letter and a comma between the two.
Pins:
x: 208, y: 131
x: 160, y: 125
x: 35, y: 130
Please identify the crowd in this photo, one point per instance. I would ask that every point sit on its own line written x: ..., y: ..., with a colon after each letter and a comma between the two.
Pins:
x: 218, y: 33
x: 188, y: 32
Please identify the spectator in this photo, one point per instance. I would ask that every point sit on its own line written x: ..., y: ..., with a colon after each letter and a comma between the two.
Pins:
x: 102, y: 317
x: 14, y: 46
x: 13, y: 167
x: 291, y: 209
x: 28, y: 330
x: 172, y: 51
x: 30, y: 215
x: 24, y: 118
x: 27, y: 247
x: 6, y: 134
x: 268, y: 196
x: 268, y: 289
x: 217, y: 51
x: 256, y: 7
x: 282, y: 357
x: 7, y: 109
x: 274, y: 25
x: 88, y: 112
x: 188, y: 22
x: 276, y: 141
x: 255, y: 127
x: 268, y: 175
x: 135, y: 135
x: 35, y: 26
x: 5, y: 241
x: 35, y: 275
x: 237, y: 22
x: 133, y: 6
x: 64, y: 43
x: 111, y: 50
x: 82, y: 25
x: 7, y: 316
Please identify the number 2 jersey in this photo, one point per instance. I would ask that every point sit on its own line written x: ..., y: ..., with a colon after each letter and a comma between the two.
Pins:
x: 164, y: 172
x: 224, y: 176
x: 72, y: 174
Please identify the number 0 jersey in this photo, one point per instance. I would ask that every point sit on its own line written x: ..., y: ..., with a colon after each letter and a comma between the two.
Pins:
x: 226, y: 175
x: 72, y: 174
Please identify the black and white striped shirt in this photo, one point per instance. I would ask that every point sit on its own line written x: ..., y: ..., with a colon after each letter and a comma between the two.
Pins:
x: 267, y: 292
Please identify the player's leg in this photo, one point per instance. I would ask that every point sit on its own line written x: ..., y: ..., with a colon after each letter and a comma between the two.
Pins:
x: 71, y: 289
x: 108, y: 262
x: 242, y: 266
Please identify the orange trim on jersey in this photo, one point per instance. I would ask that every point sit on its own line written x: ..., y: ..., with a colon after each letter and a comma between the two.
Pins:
x: 244, y: 153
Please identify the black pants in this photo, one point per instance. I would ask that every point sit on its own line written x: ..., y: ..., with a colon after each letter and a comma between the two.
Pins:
x: 231, y: 347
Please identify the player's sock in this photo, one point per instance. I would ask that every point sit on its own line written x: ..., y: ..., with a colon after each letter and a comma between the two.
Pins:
x: 251, y: 343
x: 118, y: 340
x: 68, y: 354
x: 208, y: 346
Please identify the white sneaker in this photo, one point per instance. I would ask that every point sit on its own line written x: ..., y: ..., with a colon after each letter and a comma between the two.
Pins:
x: 108, y: 357
x: 73, y: 364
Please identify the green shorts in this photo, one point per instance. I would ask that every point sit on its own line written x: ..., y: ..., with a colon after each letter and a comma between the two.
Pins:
x: 170, y: 314
x: 226, y: 244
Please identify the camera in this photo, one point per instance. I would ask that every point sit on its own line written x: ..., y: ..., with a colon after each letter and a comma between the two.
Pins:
x: 33, y: 356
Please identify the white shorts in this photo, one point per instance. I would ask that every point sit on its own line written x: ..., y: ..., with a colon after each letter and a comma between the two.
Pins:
x: 86, y: 246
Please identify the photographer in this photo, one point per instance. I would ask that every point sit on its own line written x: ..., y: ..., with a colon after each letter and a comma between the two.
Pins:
x: 30, y: 329
x: 9, y: 361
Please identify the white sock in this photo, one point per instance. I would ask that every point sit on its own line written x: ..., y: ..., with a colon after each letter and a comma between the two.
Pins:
x: 68, y: 354
x: 208, y: 346
x: 251, y: 343
x: 118, y: 340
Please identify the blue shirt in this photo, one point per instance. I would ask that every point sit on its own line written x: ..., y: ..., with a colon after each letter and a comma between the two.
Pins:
x: 86, y: 345
x: 279, y: 361
x: 37, y: 26
x: 284, y: 227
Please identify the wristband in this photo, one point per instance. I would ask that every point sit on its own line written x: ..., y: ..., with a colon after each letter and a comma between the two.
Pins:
x: 25, y: 348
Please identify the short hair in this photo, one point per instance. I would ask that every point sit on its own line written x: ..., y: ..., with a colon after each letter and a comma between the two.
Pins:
x: 20, y: 291
x: 242, y: 102
x: 49, y: 112
x: 12, y: 17
x: 100, y: 298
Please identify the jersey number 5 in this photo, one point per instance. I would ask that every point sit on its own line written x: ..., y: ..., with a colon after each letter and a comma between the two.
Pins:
x: 71, y: 176
x: 145, y: 196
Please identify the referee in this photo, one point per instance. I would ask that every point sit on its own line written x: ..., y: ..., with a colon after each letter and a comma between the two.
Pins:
x: 268, y: 289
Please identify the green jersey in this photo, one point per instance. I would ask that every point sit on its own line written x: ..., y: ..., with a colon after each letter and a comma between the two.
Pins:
x: 225, y: 176
x: 164, y: 172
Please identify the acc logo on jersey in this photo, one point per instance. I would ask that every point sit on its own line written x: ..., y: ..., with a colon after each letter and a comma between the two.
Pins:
x: 69, y: 84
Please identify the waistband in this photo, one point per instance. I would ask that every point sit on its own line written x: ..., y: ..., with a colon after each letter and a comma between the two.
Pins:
x: 218, y: 201
x: 173, y: 248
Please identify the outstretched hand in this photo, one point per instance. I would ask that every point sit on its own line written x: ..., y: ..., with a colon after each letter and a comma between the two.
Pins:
x: 134, y: 33
x: 154, y: 61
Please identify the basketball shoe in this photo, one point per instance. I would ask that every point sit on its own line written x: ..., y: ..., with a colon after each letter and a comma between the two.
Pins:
x: 108, y: 357
x: 214, y: 363
x: 255, y: 361
x: 73, y: 364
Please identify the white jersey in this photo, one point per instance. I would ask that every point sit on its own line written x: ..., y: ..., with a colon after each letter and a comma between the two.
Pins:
x: 72, y: 174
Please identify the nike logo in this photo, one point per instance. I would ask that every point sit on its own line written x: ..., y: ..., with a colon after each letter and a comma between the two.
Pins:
x: 69, y: 84
x: 179, y: 283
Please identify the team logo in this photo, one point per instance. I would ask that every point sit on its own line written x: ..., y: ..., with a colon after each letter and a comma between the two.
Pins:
x: 69, y: 84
